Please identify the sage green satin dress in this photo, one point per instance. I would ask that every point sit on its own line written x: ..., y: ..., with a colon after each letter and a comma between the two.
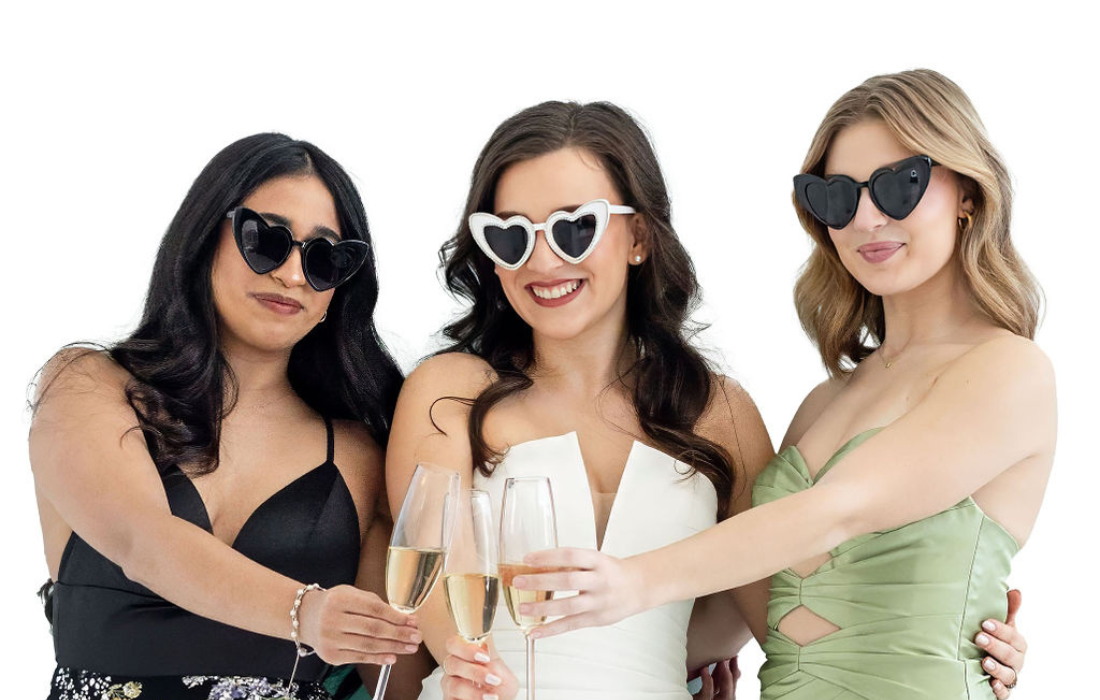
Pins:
x: 908, y: 602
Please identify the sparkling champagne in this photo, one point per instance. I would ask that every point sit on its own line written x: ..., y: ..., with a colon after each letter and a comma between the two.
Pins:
x: 411, y: 573
x: 514, y: 596
x: 472, y: 600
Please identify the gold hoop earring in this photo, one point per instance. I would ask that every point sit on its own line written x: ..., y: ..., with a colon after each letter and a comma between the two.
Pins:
x: 969, y: 218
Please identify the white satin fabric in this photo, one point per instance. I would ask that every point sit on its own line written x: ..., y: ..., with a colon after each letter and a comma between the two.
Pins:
x: 643, y: 656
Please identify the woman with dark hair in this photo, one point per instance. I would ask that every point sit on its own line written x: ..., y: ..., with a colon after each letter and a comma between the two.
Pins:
x: 196, y: 549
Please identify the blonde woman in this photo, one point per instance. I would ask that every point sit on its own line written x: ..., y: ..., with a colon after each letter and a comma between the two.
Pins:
x: 910, y: 478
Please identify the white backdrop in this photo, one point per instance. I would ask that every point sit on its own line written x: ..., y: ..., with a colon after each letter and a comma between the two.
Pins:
x: 110, y: 112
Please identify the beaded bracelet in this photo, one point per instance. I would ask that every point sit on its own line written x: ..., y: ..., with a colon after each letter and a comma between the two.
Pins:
x: 301, y: 651
x: 298, y: 646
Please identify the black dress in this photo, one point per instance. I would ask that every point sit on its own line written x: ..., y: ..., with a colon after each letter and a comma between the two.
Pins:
x: 117, y: 640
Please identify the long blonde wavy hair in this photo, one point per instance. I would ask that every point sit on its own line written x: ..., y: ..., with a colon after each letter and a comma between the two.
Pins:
x: 929, y: 115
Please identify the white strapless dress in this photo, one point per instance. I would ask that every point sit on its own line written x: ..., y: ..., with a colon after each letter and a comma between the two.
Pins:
x: 643, y: 656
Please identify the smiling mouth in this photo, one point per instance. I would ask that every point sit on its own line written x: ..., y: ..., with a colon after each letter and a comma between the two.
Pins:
x: 555, y: 292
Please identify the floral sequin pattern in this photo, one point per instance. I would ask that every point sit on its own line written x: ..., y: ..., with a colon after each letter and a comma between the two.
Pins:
x: 252, y: 688
x: 92, y: 686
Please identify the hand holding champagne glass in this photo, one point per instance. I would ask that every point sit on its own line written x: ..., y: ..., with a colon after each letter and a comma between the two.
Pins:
x: 419, y: 543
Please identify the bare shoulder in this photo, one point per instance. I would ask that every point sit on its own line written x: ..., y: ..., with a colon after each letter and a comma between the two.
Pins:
x: 81, y: 376
x: 812, y: 407
x: 1016, y: 366
x: 452, y: 373
x: 733, y: 421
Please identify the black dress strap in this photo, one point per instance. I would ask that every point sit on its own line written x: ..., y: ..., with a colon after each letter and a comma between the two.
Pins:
x: 331, y: 439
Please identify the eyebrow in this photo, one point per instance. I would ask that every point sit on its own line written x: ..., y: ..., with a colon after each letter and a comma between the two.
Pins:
x: 508, y: 214
x: 283, y: 221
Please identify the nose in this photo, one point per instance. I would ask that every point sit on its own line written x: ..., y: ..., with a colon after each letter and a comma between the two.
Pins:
x: 868, y: 217
x: 290, y: 273
x: 543, y: 259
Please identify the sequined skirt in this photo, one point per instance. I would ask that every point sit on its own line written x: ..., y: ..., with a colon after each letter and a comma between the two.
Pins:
x: 76, y: 684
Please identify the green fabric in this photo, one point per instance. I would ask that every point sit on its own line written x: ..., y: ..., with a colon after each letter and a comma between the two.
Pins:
x: 908, y: 602
x: 342, y: 683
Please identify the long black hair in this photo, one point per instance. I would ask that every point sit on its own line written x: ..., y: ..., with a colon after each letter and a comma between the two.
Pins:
x: 182, y: 386
x: 672, y: 382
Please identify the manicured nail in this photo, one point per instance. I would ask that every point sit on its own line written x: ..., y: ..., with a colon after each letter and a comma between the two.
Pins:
x: 989, y: 626
x: 534, y: 634
x: 982, y: 640
x: 411, y: 647
x: 489, y: 696
x: 415, y: 638
x: 390, y: 660
x: 989, y: 665
x: 482, y: 657
x: 519, y: 581
x: 997, y: 685
x: 492, y: 680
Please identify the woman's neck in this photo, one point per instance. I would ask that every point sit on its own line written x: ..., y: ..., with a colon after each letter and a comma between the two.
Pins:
x: 261, y: 376
x: 933, y: 312
x: 588, y: 363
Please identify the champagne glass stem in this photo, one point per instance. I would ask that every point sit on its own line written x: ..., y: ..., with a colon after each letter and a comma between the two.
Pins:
x: 530, y: 667
x: 383, y: 681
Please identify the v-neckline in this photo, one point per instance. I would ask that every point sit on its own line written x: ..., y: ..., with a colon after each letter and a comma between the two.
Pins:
x: 208, y: 525
x: 624, y: 481
x: 836, y: 457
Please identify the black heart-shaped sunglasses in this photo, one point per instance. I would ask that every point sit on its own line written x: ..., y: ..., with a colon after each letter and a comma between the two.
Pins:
x: 895, y: 190
x: 265, y: 247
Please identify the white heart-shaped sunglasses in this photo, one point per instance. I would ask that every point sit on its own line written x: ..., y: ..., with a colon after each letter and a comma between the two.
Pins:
x: 571, y: 235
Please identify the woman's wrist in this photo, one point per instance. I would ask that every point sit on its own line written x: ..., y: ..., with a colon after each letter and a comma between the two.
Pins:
x: 650, y: 588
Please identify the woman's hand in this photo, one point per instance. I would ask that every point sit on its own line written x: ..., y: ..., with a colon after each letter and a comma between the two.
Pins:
x: 347, y: 625
x: 1006, y: 646
x: 720, y: 685
x: 469, y: 673
x: 608, y: 589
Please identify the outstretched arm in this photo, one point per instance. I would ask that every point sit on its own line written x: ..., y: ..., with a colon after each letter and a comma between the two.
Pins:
x: 991, y: 409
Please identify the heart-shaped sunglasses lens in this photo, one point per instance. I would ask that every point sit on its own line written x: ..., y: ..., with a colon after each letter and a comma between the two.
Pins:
x: 575, y: 238
x: 832, y: 202
x: 896, y: 192
x: 509, y: 244
x: 327, y: 265
x: 263, y: 247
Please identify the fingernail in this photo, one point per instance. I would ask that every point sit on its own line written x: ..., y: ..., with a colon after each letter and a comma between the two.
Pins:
x: 982, y: 640
x: 534, y: 634
x: 989, y: 626
x: 489, y: 696
x: 411, y: 622
x: 989, y: 665
x: 415, y: 638
x: 411, y: 647
x: 482, y: 657
x: 518, y: 581
x: 996, y: 685
x: 390, y: 660
x: 492, y: 680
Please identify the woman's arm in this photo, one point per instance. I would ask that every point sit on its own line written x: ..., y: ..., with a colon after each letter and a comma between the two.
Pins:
x: 94, y: 469
x: 425, y: 397
x: 722, y: 622
x: 993, y: 408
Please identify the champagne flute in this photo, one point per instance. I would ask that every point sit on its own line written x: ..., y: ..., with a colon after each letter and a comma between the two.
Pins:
x: 470, y: 574
x: 527, y: 524
x: 419, y: 544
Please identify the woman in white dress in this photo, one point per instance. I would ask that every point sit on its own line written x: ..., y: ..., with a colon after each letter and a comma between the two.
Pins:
x: 573, y: 361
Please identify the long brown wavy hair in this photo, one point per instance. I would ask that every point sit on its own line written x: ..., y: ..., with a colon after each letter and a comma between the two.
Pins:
x: 931, y: 115
x: 672, y: 383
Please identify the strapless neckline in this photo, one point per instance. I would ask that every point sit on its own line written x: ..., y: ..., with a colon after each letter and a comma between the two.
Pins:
x: 626, y: 481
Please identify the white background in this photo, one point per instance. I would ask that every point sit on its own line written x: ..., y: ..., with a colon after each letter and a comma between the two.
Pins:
x: 109, y: 112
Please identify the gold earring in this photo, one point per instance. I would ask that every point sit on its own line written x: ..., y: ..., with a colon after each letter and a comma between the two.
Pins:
x: 969, y: 222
